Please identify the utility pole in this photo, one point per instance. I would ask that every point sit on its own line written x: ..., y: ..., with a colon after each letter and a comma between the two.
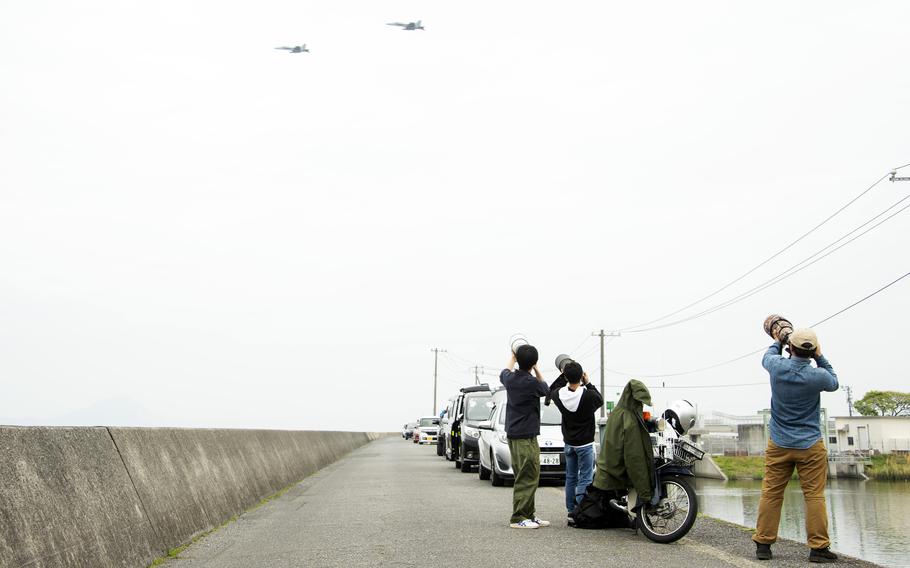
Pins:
x: 849, y: 390
x: 476, y: 376
x: 601, y: 335
x: 436, y: 351
x: 895, y: 178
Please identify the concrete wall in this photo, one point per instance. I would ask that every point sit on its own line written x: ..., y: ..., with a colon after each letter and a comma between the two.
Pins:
x: 66, y: 500
x: 706, y: 467
x: 119, y: 497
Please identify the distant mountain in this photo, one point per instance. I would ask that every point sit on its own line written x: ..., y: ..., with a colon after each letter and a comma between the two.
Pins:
x: 120, y: 411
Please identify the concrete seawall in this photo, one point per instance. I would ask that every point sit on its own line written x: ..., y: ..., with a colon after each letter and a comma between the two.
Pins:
x: 119, y: 497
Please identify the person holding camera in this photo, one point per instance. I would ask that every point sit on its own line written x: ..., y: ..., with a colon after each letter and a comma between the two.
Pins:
x: 523, y: 392
x: 577, y: 401
x: 796, y: 441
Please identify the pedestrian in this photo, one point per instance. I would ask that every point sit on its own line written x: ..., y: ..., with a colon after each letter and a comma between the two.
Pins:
x: 578, y: 401
x: 523, y: 392
x: 796, y: 442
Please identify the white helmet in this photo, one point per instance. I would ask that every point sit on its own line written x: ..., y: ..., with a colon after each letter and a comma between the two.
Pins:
x: 680, y: 415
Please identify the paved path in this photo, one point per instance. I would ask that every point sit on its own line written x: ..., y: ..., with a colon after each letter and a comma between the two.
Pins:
x: 391, y: 503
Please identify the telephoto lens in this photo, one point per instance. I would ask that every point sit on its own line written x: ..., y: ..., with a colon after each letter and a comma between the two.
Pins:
x: 778, y: 327
x: 517, y: 341
x: 561, y: 361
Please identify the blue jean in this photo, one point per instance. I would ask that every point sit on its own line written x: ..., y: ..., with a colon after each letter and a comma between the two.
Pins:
x: 579, y: 473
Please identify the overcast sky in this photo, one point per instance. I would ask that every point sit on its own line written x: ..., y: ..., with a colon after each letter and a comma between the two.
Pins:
x: 197, y: 229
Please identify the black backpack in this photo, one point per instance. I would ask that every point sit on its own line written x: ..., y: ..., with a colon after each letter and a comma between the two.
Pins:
x: 594, y: 511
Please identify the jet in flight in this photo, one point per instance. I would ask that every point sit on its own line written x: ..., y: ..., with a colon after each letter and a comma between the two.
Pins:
x: 296, y: 49
x: 409, y: 27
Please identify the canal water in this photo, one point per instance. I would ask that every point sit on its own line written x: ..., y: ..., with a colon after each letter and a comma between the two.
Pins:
x: 866, y: 519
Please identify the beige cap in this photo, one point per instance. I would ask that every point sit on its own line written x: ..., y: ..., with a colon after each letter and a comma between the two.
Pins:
x: 804, y: 338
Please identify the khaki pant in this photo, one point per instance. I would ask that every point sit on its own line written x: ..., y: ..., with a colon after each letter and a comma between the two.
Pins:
x: 526, y: 467
x: 812, y: 466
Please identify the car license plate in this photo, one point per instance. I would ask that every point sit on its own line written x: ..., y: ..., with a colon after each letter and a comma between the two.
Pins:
x: 549, y: 459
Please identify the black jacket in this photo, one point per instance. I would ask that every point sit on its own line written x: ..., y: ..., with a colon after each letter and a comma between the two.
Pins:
x: 578, y: 425
x: 523, y: 392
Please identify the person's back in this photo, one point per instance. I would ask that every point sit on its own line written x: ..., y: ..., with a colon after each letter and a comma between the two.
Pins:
x: 796, y: 442
x: 577, y: 402
x: 522, y: 428
x: 795, y: 397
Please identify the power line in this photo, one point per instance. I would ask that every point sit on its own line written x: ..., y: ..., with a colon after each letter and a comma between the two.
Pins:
x: 792, y: 270
x: 885, y: 287
x: 764, y: 262
x: 732, y: 385
x: 751, y: 353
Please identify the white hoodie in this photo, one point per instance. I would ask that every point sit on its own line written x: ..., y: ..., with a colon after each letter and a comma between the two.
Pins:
x: 571, y: 399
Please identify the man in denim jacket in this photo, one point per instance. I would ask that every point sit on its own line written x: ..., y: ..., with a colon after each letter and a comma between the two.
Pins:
x: 796, y: 441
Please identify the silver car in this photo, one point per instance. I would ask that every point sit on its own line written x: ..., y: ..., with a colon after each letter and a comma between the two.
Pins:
x: 427, y: 430
x: 495, y: 458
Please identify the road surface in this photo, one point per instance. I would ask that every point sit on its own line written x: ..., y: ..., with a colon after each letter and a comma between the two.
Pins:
x: 392, y: 503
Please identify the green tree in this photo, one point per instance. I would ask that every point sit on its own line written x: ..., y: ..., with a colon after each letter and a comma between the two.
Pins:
x: 884, y: 403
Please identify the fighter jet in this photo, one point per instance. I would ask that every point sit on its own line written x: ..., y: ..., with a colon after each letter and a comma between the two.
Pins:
x: 296, y: 49
x: 409, y: 27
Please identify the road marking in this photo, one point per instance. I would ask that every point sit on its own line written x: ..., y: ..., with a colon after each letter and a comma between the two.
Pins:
x: 720, y: 554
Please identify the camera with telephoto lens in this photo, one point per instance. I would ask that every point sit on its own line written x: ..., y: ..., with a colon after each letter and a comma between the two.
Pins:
x: 778, y: 327
x: 561, y: 361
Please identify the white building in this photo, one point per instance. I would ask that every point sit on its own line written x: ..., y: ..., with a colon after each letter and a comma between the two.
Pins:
x: 884, y: 434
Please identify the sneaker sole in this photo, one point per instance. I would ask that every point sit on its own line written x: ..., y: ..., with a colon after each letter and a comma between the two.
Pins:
x: 517, y: 526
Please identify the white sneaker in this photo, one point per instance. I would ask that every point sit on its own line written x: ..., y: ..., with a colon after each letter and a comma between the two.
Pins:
x: 541, y: 522
x: 525, y: 524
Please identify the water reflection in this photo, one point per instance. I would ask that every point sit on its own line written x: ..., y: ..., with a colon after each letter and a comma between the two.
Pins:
x: 866, y: 519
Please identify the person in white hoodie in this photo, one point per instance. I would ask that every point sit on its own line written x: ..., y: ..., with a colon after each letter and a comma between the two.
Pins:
x: 578, y: 402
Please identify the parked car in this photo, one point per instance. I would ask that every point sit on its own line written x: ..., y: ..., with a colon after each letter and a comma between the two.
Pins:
x: 495, y: 458
x: 408, y: 430
x: 427, y: 430
x: 451, y: 427
x: 477, y: 408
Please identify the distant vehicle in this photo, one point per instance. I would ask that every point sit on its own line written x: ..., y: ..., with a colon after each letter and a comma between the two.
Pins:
x: 495, y: 458
x: 409, y: 27
x: 408, y: 430
x: 296, y: 49
x: 451, y: 426
x: 427, y: 430
x: 478, y: 407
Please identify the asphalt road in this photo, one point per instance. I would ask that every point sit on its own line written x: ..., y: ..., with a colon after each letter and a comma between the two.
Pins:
x: 392, y: 503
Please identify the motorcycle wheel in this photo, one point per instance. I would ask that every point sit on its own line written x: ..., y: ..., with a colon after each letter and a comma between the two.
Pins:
x: 674, y: 516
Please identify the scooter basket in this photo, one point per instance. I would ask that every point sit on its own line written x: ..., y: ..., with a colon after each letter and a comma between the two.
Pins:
x: 685, y: 453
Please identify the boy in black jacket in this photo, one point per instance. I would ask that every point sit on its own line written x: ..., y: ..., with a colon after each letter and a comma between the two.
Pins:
x: 523, y: 392
x: 578, y: 401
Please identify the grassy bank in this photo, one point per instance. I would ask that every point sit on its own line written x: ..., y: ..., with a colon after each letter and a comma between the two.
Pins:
x: 892, y: 467
x: 741, y: 467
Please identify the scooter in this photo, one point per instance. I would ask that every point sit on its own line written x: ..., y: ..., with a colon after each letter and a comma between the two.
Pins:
x: 672, y: 511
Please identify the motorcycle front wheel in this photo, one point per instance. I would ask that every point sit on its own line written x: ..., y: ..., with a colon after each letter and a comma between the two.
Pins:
x: 674, y: 515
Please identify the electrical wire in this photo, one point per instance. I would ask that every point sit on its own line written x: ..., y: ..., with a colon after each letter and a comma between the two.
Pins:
x: 732, y: 385
x: 751, y: 353
x: 792, y: 270
x: 764, y: 262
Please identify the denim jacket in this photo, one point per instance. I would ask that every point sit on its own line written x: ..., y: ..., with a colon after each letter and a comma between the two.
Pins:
x: 795, y: 397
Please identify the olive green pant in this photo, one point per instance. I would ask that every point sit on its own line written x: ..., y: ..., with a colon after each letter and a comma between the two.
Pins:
x: 812, y: 466
x: 526, y: 467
